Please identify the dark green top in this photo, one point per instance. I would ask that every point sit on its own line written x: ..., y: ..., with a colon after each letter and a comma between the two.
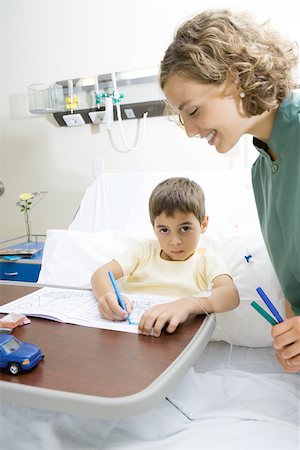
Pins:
x: 276, y: 187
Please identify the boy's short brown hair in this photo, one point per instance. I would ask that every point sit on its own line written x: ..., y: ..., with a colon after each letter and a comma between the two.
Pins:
x: 177, y: 193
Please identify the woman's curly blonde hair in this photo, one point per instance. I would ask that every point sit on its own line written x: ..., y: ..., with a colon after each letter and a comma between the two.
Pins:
x: 220, y: 45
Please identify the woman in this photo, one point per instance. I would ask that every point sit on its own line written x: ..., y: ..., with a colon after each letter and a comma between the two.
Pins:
x: 225, y: 76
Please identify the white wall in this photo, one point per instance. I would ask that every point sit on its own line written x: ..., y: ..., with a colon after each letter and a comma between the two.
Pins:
x: 46, y: 41
x: 1, y: 124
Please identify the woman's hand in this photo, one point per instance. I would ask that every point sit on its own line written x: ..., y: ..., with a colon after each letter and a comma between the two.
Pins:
x: 110, y: 309
x: 286, y: 342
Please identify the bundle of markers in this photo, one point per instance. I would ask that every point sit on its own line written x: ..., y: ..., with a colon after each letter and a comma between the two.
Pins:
x: 270, y: 306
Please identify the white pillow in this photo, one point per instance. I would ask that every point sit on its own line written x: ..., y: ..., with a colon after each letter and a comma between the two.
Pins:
x: 243, y: 325
x: 71, y: 257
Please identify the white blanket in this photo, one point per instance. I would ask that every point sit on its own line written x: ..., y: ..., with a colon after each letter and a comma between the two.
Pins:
x: 216, y: 409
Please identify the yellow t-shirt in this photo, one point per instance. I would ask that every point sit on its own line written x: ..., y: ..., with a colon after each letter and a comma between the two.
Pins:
x: 146, y: 272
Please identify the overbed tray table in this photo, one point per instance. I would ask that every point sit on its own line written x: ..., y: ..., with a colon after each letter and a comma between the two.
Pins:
x: 96, y: 372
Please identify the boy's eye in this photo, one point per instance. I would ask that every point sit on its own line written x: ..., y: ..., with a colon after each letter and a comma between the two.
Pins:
x: 185, y: 229
x: 164, y: 230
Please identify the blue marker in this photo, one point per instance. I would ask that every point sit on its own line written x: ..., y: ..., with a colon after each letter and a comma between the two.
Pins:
x: 118, y: 294
x: 269, y: 304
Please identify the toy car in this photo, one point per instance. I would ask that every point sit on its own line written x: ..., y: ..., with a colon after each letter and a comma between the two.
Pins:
x: 18, y: 356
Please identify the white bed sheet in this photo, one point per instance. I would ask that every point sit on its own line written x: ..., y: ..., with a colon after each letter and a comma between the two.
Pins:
x: 222, y: 403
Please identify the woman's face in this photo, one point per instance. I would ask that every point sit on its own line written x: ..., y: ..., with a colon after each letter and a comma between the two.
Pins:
x: 207, y: 112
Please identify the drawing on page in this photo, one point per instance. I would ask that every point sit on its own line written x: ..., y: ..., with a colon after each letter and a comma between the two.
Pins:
x: 30, y: 303
x: 140, y: 307
x: 67, y: 301
x: 78, y: 307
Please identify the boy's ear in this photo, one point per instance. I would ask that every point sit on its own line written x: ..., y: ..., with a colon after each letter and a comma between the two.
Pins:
x: 204, y: 224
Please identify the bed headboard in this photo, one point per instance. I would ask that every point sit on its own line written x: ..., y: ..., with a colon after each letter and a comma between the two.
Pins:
x: 119, y: 201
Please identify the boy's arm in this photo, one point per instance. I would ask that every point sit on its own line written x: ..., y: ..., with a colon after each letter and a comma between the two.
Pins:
x: 104, y: 292
x: 224, y: 296
x: 100, y: 280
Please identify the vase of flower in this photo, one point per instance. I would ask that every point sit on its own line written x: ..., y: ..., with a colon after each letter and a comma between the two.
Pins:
x: 27, y: 226
x: 27, y: 201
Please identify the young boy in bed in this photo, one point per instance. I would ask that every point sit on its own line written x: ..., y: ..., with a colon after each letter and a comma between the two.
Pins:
x: 173, y: 265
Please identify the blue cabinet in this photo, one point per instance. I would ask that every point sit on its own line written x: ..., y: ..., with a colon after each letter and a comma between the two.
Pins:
x: 23, y: 269
x: 18, y: 271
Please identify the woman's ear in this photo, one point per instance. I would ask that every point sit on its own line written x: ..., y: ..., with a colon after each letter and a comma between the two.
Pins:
x: 204, y: 224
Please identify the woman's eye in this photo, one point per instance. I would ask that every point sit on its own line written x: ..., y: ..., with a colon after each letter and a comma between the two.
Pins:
x: 193, y: 113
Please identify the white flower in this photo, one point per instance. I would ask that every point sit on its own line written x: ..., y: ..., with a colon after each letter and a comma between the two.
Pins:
x: 26, y: 196
x: 26, y: 201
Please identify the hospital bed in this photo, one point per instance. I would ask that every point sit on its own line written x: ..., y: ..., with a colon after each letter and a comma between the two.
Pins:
x: 235, y: 396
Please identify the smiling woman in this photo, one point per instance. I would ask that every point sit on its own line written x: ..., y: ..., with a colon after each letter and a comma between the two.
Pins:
x: 218, y: 81
x: 226, y: 75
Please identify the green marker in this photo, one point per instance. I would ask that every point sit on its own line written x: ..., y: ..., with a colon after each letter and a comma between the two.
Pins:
x: 263, y: 313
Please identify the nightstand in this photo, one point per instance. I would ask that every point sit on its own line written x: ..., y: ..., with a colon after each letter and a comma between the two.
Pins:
x: 22, y: 269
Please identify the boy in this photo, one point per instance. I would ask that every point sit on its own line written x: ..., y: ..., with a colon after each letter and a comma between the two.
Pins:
x: 172, y: 265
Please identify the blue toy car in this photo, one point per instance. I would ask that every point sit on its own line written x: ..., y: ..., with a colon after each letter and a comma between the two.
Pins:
x: 18, y: 356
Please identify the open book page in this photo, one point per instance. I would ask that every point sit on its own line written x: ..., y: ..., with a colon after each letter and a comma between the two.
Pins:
x: 78, y: 307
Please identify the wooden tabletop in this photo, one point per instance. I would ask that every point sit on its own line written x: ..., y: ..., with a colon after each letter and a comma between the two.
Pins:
x: 94, y: 361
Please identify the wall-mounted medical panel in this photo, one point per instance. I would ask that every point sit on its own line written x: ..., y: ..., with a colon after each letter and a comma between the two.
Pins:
x: 128, y: 111
x: 81, y: 101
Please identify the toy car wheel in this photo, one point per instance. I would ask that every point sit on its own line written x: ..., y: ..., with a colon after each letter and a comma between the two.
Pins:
x: 14, y: 368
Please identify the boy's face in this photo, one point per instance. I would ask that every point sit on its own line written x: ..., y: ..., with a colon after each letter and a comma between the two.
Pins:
x: 179, y: 235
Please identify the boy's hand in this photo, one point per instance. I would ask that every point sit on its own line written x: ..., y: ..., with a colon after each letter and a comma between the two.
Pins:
x: 110, y: 309
x: 286, y: 342
x: 174, y: 313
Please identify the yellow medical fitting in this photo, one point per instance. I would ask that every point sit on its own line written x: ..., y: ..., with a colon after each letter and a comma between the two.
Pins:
x: 72, y: 104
